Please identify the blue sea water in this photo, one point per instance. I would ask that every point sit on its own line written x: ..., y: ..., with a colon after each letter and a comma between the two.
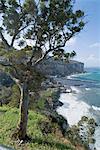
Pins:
x: 91, y: 96
x: 92, y: 74
x: 86, y: 101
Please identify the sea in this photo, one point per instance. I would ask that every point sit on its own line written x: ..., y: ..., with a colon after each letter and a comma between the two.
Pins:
x: 85, y: 101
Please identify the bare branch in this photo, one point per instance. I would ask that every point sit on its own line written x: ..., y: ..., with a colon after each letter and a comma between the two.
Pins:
x: 43, y: 56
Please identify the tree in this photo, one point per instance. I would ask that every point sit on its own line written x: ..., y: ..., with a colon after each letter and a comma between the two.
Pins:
x: 72, y: 54
x: 49, y: 24
x: 58, y: 54
x: 68, y: 56
x: 63, y: 55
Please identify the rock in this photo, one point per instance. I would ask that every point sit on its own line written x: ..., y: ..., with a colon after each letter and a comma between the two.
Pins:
x: 45, y: 127
x: 60, y: 120
x: 84, y: 118
x: 91, y: 122
x: 60, y: 68
x: 68, y: 90
x: 64, y: 89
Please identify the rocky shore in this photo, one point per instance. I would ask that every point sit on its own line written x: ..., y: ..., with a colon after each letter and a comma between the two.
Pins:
x: 83, y: 132
x: 49, y: 104
x: 64, y: 83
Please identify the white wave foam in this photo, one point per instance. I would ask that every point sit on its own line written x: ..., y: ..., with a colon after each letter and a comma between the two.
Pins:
x: 75, y: 89
x: 96, y: 108
x: 72, y: 109
x: 69, y: 77
x: 72, y: 76
x: 87, y: 89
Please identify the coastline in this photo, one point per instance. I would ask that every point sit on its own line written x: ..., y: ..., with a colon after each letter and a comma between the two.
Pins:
x: 73, y: 107
x: 70, y: 105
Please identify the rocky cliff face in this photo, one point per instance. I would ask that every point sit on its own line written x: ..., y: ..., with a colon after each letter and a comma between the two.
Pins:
x: 58, y: 67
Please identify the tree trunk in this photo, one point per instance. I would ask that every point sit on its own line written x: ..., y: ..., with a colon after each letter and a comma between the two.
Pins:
x: 24, y: 101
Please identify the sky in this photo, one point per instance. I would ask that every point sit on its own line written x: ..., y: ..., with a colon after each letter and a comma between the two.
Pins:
x: 87, y: 42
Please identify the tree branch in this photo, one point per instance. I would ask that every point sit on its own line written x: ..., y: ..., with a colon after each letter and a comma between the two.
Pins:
x: 14, y: 37
x: 4, y: 41
x: 43, y: 56
x: 55, y: 48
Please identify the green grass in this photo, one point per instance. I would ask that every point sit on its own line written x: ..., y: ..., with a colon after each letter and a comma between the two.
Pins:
x: 8, y: 122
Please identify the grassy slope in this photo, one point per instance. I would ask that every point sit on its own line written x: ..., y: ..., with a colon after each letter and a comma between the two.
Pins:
x: 8, y: 121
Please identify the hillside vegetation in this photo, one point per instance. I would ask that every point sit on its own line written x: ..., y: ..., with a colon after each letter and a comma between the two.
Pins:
x: 38, y: 139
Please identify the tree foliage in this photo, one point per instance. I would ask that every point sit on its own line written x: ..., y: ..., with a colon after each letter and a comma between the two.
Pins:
x: 48, y: 24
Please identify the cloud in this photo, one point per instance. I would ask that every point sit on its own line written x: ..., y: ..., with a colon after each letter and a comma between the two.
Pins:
x: 92, y: 60
x: 91, y: 57
x: 95, y: 45
x: 71, y: 42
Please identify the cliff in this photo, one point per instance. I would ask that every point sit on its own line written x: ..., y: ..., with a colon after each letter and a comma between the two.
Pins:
x: 58, y: 67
